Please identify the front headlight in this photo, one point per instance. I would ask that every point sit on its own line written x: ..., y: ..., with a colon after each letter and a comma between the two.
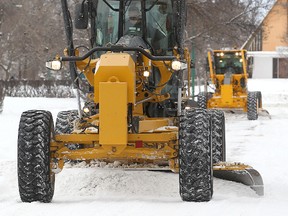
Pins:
x: 55, y: 65
x: 177, y: 65
x: 146, y: 73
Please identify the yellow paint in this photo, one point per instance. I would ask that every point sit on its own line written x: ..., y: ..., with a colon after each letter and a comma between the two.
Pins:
x: 94, y: 138
x: 113, y: 114
x: 129, y: 153
x: 119, y: 65
x: 147, y: 125
x: 156, y: 147
x: 227, y: 95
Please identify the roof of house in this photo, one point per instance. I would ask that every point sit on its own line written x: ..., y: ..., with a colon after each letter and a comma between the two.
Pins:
x: 260, y: 25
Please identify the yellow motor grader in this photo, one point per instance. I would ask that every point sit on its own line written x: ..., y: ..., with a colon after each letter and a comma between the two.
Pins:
x: 136, y: 108
x: 228, y: 73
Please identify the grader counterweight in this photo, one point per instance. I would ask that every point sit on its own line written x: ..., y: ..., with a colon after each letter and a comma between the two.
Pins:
x: 137, y: 108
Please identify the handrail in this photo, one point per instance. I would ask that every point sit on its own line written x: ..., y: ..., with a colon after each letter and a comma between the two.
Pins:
x: 117, y: 49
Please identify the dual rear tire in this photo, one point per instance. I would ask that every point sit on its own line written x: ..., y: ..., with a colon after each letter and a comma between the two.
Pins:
x: 199, y: 147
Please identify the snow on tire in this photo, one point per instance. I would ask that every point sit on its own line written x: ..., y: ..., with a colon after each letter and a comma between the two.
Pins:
x: 195, y: 156
x: 35, y: 178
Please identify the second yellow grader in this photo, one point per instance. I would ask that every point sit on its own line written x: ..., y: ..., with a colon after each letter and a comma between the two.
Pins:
x: 228, y: 72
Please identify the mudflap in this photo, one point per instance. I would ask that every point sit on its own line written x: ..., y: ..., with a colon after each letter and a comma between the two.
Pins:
x: 241, y: 173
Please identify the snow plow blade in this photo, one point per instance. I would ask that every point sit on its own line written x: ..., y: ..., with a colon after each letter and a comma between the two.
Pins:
x: 241, y: 173
x: 264, y: 112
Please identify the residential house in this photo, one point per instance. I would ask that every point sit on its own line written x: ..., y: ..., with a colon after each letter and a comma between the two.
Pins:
x: 268, y: 45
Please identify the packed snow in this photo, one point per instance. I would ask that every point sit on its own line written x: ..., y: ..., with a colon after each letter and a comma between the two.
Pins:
x: 109, y: 189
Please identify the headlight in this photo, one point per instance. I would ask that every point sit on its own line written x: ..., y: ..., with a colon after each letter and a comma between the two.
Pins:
x: 54, y: 65
x: 86, y: 110
x: 177, y: 65
x: 146, y: 73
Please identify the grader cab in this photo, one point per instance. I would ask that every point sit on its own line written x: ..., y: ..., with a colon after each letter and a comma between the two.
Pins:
x: 137, y: 109
x: 228, y: 73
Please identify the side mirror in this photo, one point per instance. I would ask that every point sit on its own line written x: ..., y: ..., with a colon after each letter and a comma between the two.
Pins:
x: 81, y: 16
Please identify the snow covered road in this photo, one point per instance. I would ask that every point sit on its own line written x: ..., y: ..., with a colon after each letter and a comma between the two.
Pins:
x: 100, y: 190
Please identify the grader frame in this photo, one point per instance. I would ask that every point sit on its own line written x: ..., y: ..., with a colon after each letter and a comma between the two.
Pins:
x: 138, y: 108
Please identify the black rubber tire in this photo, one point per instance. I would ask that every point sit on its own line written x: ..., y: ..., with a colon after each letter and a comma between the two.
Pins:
x: 259, y: 97
x: 64, y: 121
x: 64, y: 125
x: 218, y: 135
x: 35, y: 178
x: 195, y: 156
x: 202, y: 100
x: 252, y: 106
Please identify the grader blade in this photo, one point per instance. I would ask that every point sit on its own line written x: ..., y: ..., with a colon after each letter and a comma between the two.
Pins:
x: 240, y: 173
x: 264, y: 112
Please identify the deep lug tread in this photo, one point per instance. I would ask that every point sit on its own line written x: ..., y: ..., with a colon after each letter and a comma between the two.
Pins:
x: 218, y: 135
x: 35, y: 179
x: 252, y: 106
x: 64, y: 121
x: 195, y: 156
x: 202, y: 100
x: 65, y: 125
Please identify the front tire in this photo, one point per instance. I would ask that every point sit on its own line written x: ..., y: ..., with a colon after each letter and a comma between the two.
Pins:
x: 195, y: 156
x: 35, y: 178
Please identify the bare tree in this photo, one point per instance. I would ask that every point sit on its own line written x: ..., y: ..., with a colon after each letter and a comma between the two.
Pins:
x: 32, y: 31
x: 28, y: 34
x: 220, y: 23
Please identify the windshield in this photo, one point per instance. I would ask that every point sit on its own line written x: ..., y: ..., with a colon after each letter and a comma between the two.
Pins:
x: 107, y: 19
x: 228, y: 62
x: 159, y: 21
x: 150, y: 19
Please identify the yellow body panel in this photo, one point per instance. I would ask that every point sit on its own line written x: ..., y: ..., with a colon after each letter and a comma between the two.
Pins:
x: 94, y: 138
x: 160, y: 146
x: 115, y: 67
x: 113, y: 114
x: 152, y: 124
x: 129, y: 153
x: 227, y: 95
